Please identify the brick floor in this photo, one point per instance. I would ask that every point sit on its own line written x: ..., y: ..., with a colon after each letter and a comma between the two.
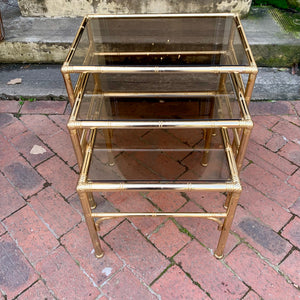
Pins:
x: 45, y: 248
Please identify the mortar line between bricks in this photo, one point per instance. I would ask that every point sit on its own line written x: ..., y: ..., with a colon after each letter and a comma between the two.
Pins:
x: 288, y: 254
x: 22, y: 292
x: 193, y: 281
x: 69, y: 230
x: 251, y: 289
x: 81, y: 268
x: 147, y: 286
x: 287, y: 223
x: 15, y: 211
x: 172, y: 263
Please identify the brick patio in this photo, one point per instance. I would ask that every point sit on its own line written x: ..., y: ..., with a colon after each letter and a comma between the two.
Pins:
x: 45, y: 250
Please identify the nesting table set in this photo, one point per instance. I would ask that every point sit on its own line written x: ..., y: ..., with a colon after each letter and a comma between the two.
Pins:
x: 144, y: 85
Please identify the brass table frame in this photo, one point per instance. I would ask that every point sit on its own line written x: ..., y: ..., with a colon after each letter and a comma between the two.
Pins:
x: 83, y: 132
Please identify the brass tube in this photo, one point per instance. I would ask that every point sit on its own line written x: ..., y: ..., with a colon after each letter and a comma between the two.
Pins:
x: 159, y: 69
x: 97, y: 186
x: 161, y: 124
x: 160, y: 53
x: 159, y: 214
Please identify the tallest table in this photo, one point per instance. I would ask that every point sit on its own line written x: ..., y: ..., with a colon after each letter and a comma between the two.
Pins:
x: 157, y: 72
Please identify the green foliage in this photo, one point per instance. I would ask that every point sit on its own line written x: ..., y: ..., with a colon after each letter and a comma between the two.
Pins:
x: 283, y: 4
x: 22, y: 100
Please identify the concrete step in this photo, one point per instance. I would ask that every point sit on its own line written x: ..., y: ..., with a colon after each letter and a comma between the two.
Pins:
x: 46, y: 82
x: 46, y: 40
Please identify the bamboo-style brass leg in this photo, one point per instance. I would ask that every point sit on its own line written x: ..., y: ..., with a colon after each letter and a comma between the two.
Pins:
x: 208, y: 134
x: 233, y: 201
x: 108, y: 137
x: 92, y: 202
x: 84, y: 199
x: 243, y: 147
x: 76, y: 146
x: 226, y: 204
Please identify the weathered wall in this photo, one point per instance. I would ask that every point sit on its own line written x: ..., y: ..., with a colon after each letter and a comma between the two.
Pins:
x: 71, y: 8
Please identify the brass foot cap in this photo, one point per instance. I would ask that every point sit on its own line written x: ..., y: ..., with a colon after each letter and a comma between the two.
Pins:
x: 93, y: 206
x: 99, y: 255
x: 204, y: 165
x: 219, y: 256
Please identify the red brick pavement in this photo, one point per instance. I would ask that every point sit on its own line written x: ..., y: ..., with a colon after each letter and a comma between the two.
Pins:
x: 45, y: 250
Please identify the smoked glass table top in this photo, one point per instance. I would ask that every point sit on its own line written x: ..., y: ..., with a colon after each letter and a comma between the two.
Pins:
x: 142, y: 42
x: 157, y: 156
x: 112, y: 106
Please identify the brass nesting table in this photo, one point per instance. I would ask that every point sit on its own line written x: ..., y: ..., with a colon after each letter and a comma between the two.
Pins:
x: 142, y: 81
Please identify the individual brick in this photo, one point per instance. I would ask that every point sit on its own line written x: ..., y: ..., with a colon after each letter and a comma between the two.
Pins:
x: 272, y: 213
x: 260, y: 134
x: 37, y: 292
x: 261, y: 237
x: 292, y: 233
x: 41, y: 125
x: 166, y: 201
x: 61, y: 144
x: 295, y: 208
x: 16, y: 274
x: 44, y: 107
x: 26, y: 180
x: 31, y: 234
x: 258, y: 274
x: 168, y: 239
x: 276, y: 142
x: 268, y: 184
x: 174, y: 284
x: 6, y: 119
x: 79, y: 245
x: 63, y: 179
x: 126, y: 285
x: 212, y: 275
x: 291, y: 266
x: 292, y: 119
x: 59, y: 216
x: 64, y: 277
x: 138, y: 254
x: 32, y: 148
x: 8, y: 153
x: 266, y: 121
x: 291, y: 152
x: 9, y: 106
x: 13, y: 129
x: 294, y: 180
x: 10, y: 200
x: 288, y: 130
x: 61, y: 121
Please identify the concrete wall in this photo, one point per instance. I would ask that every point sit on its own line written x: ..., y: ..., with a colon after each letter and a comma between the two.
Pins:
x: 72, y: 8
